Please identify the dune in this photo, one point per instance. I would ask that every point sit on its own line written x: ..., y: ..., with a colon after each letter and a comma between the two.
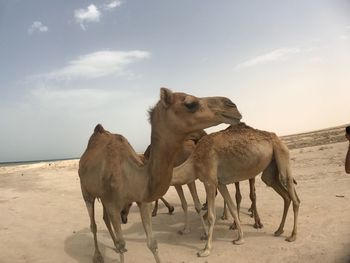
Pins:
x: 43, y: 217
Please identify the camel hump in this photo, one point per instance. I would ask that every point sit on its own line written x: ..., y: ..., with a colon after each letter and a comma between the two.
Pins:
x: 99, y: 128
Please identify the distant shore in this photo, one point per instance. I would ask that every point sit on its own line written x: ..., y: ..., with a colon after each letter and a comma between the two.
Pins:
x: 2, y: 164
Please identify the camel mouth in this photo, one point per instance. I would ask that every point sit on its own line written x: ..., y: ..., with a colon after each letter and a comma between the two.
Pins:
x: 231, y: 120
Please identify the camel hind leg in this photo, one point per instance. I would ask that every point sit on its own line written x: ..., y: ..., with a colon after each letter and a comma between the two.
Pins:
x: 254, y: 208
x: 169, y: 206
x: 108, y: 225
x: 271, y: 177
x: 281, y: 154
x: 226, y: 195
x: 90, y: 205
x: 155, y: 209
x: 113, y: 213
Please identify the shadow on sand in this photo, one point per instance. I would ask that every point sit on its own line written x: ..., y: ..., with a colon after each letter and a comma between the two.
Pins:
x: 80, y: 245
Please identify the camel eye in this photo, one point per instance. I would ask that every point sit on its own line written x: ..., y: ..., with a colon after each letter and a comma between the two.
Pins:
x: 192, y: 106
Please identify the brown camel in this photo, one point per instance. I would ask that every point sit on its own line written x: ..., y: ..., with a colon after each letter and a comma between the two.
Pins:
x: 186, y: 150
x: 112, y: 171
x: 235, y: 154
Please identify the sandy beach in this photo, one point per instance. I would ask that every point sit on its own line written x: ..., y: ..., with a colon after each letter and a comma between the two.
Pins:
x: 43, y: 217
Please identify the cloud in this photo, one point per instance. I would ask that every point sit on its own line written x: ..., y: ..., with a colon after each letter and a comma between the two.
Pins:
x: 273, y: 56
x: 112, y: 5
x: 90, y: 14
x: 98, y: 64
x: 37, y: 26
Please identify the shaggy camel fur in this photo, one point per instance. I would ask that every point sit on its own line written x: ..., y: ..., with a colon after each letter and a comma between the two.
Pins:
x: 112, y: 171
x: 236, y: 154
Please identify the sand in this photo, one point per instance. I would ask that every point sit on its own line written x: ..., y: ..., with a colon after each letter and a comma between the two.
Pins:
x: 43, y: 217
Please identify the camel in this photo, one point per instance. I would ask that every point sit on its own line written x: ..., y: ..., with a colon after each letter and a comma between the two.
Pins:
x: 111, y: 170
x: 185, y: 151
x: 236, y: 154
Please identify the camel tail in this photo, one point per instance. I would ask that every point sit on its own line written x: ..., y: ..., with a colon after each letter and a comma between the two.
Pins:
x: 99, y: 128
x: 281, y: 155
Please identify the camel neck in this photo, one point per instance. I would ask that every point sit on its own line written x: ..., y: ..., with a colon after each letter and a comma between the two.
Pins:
x: 184, y: 173
x: 161, y: 162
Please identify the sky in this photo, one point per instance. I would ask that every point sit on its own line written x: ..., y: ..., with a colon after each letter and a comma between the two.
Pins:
x: 67, y: 65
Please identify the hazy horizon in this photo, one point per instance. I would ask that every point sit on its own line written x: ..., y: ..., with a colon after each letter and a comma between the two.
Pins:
x: 68, y: 65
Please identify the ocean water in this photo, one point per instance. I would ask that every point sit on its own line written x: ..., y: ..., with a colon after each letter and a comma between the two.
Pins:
x: 3, y: 164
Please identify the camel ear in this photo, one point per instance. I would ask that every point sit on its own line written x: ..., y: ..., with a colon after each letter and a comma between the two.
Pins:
x: 166, y: 97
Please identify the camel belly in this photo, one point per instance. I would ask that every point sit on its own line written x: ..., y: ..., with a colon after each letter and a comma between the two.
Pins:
x: 243, y: 167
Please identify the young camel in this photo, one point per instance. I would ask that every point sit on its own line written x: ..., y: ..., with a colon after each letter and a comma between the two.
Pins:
x: 235, y: 154
x: 112, y: 171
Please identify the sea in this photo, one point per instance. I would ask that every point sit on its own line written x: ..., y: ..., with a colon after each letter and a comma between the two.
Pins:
x: 3, y: 164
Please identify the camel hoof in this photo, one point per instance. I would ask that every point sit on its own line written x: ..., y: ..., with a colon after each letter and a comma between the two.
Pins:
x: 258, y: 225
x: 278, y: 232
x: 120, y: 249
x: 291, y: 238
x: 183, y: 231
x: 97, y: 258
x: 204, y: 236
x: 233, y: 226
x: 203, y: 253
x: 224, y: 217
x: 238, y: 241
x: 171, y: 210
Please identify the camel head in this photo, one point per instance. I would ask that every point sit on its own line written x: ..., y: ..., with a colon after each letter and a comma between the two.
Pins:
x: 184, y: 113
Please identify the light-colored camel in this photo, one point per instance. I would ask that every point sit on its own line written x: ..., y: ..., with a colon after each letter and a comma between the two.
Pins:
x: 184, y: 153
x: 112, y: 171
x: 235, y: 154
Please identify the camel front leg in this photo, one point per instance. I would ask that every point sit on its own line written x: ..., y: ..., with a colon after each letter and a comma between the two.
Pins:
x: 155, y: 208
x: 226, y: 195
x: 197, y: 204
x: 184, y: 205
x: 210, y: 190
x: 145, y: 211
x: 254, y: 209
